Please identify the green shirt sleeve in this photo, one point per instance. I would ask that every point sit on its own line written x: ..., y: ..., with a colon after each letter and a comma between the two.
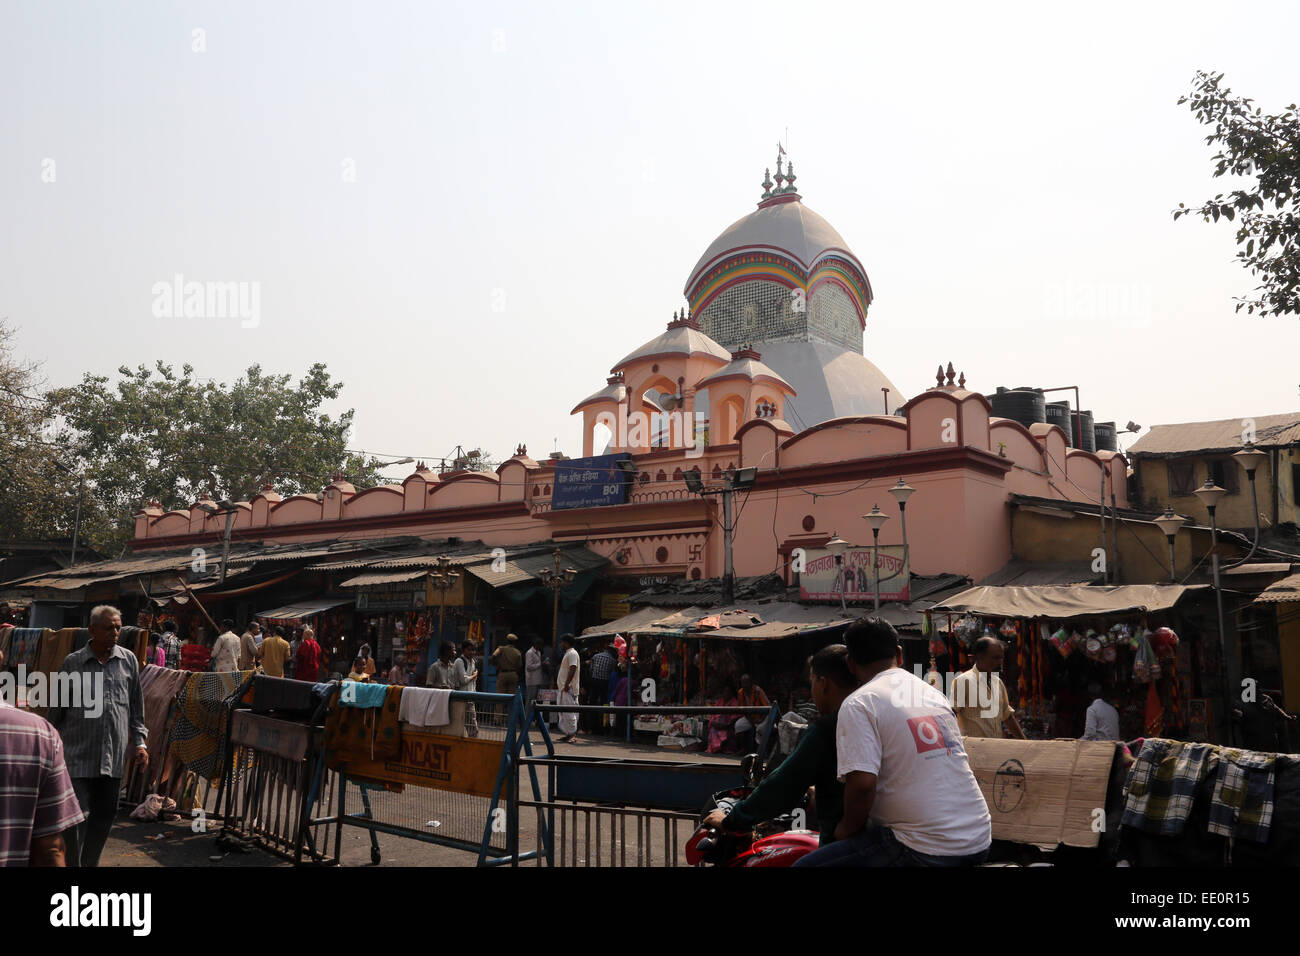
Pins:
x: 786, y: 785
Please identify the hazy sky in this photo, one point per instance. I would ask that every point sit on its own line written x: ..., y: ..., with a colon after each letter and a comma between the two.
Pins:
x: 533, y: 183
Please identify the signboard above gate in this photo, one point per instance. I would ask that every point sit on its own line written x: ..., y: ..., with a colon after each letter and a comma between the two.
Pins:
x: 590, y: 482
x: 823, y: 580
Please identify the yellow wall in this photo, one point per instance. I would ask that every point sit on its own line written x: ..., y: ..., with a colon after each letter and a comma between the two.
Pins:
x: 1234, y: 511
x: 1288, y: 640
x: 1062, y: 536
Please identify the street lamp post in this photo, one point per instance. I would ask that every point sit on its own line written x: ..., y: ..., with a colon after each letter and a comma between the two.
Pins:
x: 901, y: 492
x: 836, y: 546
x: 1250, y: 458
x: 556, y: 580
x: 1210, y: 493
x: 444, y: 579
x: 876, y: 518
x: 737, y: 480
x: 1169, y: 523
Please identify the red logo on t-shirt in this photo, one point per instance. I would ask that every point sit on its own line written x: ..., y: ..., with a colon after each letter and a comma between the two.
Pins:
x: 926, y: 733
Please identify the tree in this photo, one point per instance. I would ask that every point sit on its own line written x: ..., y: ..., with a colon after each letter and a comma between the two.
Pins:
x: 37, y: 471
x: 158, y: 434
x: 1265, y: 148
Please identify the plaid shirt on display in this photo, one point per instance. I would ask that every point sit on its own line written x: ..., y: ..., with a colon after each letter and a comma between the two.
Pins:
x: 171, y: 646
x: 1162, y: 785
x: 1242, y: 804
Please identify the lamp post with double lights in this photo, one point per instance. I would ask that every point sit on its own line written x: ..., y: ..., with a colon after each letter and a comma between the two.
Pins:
x: 836, y: 546
x: 557, y: 580
x: 1169, y: 523
x: 443, y: 578
x: 876, y: 518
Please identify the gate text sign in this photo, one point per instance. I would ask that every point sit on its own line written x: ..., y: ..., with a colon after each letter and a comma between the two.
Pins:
x: 440, y: 761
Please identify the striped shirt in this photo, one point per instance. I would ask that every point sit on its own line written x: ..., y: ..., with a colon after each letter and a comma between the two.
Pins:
x: 36, y: 797
x: 97, y: 746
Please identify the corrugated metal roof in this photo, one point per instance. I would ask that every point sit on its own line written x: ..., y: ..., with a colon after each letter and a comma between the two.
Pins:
x: 1288, y: 589
x: 1223, y: 435
x: 365, y: 580
x: 301, y: 609
x: 1023, y: 573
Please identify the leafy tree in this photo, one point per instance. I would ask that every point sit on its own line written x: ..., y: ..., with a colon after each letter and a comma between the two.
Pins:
x: 1263, y: 148
x: 156, y: 433
x: 37, y: 469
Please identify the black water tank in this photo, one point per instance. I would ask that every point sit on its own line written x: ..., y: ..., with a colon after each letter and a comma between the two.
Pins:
x: 1106, y: 436
x: 1088, y: 441
x: 1023, y: 405
x: 1058, y: 413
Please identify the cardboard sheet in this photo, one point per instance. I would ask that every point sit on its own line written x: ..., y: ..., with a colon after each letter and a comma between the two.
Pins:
x: 1044, y: 792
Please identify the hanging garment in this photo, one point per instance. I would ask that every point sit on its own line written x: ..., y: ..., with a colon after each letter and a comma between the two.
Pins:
x: 1242, y: 803
x: 55, y: 647
x: 283, y: 695
x: 1162, y: 784
x: 199, y: 735
x: 373, y: 733
x: 425, y: 706
x: 23, y: 647
x: 362, y: 694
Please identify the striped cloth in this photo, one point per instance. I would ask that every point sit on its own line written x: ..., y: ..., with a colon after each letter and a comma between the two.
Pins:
x: 198, y: 738
x: 160, y: 687
x: 1162, y: 783
x: 6, y: 635
x: 1242, y: 803
x: 55, y: 648
x: 36, y: 796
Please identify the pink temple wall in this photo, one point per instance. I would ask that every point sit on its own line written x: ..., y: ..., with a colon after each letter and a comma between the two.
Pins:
x: 958, y: 519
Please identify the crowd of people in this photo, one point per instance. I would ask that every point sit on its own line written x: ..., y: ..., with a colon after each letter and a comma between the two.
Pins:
x: 278, y: 656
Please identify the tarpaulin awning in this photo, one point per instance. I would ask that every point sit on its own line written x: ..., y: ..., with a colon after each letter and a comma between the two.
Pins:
x: 1065, y: 602
x: 750, y: 622
x: 301, y: 609
x: 1288, y: 589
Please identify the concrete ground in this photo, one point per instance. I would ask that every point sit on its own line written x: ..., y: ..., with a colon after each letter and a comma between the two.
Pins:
x: 138, y: 844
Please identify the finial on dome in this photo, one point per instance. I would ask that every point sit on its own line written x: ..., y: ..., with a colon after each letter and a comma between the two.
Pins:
x: 789, y: 177
x: 938, y: 378
x: 951, y: 374
x: 962, y: 381
x: 767, y: 183
x: 780, y: 176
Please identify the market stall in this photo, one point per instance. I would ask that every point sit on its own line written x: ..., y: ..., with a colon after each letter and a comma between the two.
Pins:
x: 1063, y: 639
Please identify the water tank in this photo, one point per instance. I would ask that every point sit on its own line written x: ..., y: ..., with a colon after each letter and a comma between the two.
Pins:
x: 1088, y: 439
x: 1106, y: 436
x: 1023, y: 405
x: 1058, y: 413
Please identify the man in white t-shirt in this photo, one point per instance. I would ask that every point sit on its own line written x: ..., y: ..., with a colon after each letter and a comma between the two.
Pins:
x: 910, y: 797
x: 566, y: 682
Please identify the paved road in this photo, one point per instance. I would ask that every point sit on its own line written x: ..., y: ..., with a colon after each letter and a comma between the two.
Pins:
x: 134, y: 843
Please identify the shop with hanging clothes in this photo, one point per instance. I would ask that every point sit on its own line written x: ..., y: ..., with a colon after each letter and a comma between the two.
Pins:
x: 1142, y: 645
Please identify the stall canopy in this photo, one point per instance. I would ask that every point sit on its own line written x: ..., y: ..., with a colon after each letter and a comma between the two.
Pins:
x: 1065, y: 602
x: 301, y: 609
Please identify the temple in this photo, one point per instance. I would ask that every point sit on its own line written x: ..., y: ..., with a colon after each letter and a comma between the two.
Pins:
x: 762, y: 368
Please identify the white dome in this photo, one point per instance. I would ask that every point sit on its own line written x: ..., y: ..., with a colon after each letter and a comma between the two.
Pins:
x: 830, y: 382
x: 784, y: 224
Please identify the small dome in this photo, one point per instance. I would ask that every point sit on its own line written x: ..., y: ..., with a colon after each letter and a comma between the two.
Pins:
x: 746, y: 364
x: 683, y: 337
x: 612, y: 392
x: 831, y: 382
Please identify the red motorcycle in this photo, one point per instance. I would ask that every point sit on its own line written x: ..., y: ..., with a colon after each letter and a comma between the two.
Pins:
x: 773, y: 843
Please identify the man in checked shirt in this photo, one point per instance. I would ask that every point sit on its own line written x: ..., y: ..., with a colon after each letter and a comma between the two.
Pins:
x: 97, y: 735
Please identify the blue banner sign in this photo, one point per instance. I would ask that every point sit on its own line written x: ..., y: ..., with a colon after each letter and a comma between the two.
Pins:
x: 590, y: 482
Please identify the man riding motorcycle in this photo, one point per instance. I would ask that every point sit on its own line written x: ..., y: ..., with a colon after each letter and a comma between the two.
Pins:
x: 811, y: 764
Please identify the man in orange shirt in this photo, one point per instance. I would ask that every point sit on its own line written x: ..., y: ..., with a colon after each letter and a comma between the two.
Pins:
x: 275, y: 651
